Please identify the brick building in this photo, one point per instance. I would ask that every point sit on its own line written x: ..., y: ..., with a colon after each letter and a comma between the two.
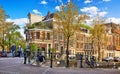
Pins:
x: 49, y: 37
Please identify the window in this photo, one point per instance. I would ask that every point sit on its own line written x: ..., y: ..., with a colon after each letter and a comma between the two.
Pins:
x: 56, y: 46
x: 77, y: 45
x: 37, y: 35
x: 48, y: 36
x: 55, y: 36
x: 71, y: 43
x: 82, y: 38
x: 42, y: 35
x: 61, y: 36
x: 81, y: 45
x: 32, y: 35
x: 61, y: 51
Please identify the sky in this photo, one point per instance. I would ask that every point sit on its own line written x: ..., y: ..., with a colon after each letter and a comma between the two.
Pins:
x: 18, y: 9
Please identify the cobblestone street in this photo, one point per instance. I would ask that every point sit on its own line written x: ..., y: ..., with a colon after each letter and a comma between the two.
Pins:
x: 16, y: 66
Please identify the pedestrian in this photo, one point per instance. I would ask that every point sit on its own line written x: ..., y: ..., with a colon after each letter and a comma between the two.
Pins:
x: 87, y: 60
x: 13, y: 48
x: 92, y: 59
x: 38, y: 57
x: 19, y: 51
x: 81, y: 60
x: 25, y: 56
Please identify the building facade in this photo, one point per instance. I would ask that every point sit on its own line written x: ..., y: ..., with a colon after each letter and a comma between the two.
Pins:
x: 81, y: 42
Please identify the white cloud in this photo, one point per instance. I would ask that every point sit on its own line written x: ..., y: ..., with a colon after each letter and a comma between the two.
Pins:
x: 88, y: 1
x: 89, y: 21
x: 43, y: 2
x: 102, y: 14
x: 57, y: 8
x: 114, y: 20
x: 21, y: 22
x: 36, y: 11
x: 68, y: 0
x: 107, y: 20
x: 93, y: 11
x: 22, y: 32
x: 106, y: 0
x: 90, y: 10
x: 18, y: 21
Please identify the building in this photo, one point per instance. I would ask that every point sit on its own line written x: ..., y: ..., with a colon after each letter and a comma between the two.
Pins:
x: 81, y: 42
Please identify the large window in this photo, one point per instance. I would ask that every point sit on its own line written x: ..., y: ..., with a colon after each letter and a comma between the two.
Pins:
x: 77, y: 45
x: 61, y: 36
x: 55, y: 36
x: 37, y: 35
x: 81, y: 45
x: 48, y: 36
x: 42, y: 35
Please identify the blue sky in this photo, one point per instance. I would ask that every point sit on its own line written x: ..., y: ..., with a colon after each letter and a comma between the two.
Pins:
x: 18, y: 9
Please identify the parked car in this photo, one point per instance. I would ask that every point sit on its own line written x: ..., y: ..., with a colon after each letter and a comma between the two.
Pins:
x: 116, y: 59
x: 4, y: 54
x: 107, y: 59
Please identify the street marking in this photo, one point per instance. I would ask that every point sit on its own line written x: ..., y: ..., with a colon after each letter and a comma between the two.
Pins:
x: 45, y: 71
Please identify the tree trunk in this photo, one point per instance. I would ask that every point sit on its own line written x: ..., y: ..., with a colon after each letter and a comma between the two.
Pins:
x: 67, y: 53
x: 99, y: 55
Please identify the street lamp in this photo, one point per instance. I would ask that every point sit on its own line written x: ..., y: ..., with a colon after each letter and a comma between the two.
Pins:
x: 3, y: 39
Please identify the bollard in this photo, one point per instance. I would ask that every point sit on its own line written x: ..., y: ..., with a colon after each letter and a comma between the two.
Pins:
x: 51, y: 61
x: 114, y: 65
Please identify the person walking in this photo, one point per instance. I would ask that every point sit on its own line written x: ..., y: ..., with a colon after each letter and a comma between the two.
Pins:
x: 13, y: 48
x: 19, y: 51
x: 38, y: 57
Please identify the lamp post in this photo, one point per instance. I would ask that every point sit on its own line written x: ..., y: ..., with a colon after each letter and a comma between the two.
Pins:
x: 3, y: 40
x: 26, y: 31
x: 9, y: 39
x: 51, y: 58
x: 26, y: 35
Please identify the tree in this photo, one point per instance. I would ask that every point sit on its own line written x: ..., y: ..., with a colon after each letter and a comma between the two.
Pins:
x: 68, y: 21
x: 33, y: 47
x: 13, y: 36
x: 6, y: 33
x: 9, y: 32
x: 98, y: 34
x: 3, y: 16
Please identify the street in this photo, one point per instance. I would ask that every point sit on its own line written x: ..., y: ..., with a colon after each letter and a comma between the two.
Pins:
x: 16, y: 66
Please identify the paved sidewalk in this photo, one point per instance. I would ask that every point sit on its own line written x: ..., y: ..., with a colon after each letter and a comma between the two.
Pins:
x: 16, y: 66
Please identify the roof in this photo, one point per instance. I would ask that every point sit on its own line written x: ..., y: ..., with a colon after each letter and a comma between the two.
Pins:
x: 48, y: 16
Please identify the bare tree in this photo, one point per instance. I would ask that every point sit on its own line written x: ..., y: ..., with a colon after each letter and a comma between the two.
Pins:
x: 98, y: 33
x: 68, y: 21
